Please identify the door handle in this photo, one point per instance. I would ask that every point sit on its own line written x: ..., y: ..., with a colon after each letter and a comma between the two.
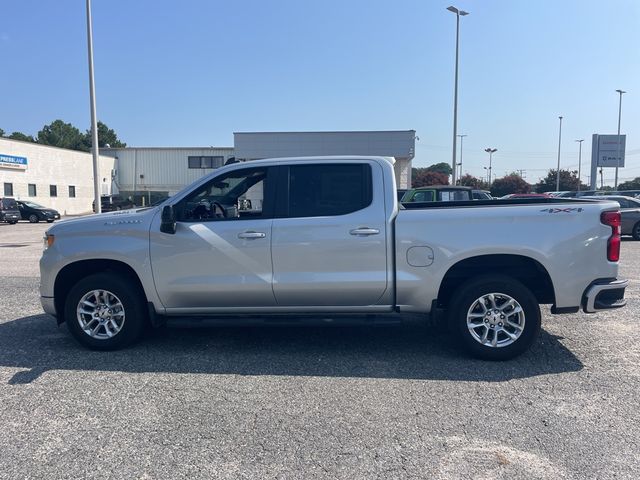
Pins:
x: 251, y: 235
x: 364, y: 231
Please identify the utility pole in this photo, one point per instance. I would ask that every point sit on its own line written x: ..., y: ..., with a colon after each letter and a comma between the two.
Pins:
x: 94, y: 116
x: 579, y: 162
x: 490, y: 151
x: 559, y: 142
x: 455, y: 92
x: 460, y: 164
x: 615, y: 185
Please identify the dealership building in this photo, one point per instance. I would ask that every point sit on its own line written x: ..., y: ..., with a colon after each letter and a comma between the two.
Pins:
x: 63, y: 179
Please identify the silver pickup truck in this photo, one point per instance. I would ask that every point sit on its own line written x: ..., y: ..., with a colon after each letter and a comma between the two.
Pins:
x: 303, y: 239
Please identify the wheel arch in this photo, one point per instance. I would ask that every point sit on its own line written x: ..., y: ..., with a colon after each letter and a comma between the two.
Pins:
x: 526, y: 270
x: 70, y: 274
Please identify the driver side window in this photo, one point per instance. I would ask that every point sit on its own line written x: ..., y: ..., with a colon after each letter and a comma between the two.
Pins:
x: 236, y: 195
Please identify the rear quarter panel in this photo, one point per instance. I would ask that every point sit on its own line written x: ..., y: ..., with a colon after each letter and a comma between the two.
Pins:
x: 568, y: 240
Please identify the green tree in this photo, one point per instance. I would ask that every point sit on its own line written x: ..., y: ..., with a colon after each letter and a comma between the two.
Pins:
x: 21, y: 136
x: 441, y: 167
x: 61, y: 134
x: 474, y: 182
x: 425, y: 178
x: 630, y: 185
x: 1, y: 132
x: 512, y: 183
x: 568, y: 182
x: 106, y: 136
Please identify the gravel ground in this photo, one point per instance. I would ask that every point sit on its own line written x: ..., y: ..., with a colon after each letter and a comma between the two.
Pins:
x: 335, y: 402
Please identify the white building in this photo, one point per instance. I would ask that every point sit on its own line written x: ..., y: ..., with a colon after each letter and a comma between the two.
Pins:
x: 148, y: 174
x: 399, y: 144
x: 54, y: 177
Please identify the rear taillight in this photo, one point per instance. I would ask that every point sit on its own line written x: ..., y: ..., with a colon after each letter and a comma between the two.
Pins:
x: 613, y: 220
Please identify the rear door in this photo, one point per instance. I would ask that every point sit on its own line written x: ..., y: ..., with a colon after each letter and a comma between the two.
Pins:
x: 329, y: 244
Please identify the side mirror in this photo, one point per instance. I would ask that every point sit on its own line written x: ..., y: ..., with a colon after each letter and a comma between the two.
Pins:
x: 168, y: 220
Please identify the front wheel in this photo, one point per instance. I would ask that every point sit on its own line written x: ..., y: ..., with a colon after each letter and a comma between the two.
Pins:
x: 105, y: 311
x: 495, y: 317
x: 636, y: 231
x: 33, y: 218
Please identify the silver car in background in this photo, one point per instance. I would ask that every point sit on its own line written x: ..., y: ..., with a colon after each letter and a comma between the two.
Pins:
x: 630, y: 211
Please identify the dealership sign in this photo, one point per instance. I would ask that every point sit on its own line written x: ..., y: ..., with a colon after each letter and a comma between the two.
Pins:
x: 10, y: 161
x: 608, y: 150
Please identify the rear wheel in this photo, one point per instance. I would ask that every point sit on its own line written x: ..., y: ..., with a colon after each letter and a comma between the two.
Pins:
x: 495, y: 317
x: 33, y: 218
x: 105, y: 311
x: 636, y: 231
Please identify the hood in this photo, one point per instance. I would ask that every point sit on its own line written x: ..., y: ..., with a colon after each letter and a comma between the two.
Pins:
x: 122, y: 219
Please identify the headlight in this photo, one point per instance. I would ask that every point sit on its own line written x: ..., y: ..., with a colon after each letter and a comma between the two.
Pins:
x: 48, y: 240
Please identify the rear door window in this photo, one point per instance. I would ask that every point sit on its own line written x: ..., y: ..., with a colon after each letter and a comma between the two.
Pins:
x: 328, y: 189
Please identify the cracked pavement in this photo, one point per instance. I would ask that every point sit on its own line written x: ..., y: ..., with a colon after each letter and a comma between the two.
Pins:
x: 311, y: 402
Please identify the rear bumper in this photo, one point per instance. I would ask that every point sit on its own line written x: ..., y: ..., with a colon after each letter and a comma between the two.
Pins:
x: 604, y: 295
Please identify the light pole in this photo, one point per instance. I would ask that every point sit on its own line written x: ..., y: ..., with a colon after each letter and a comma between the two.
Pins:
x: 461, y: 140
x: 94, y: 120
x: 490, y: 151
x: 559, y: 140
x: 579, y: 162
x: 618, y: 154
x: 455, y: 91
x: 487, y: 174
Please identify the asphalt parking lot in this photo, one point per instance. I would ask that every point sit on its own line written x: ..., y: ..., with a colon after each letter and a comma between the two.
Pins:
x: 339, y: 402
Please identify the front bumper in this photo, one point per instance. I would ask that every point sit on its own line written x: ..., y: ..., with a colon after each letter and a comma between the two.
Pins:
x: 48, y: 305
x: 604, y: 295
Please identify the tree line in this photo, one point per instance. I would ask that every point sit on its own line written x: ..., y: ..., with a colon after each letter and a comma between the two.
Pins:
x: 64, y: 135
x: 438, y: 174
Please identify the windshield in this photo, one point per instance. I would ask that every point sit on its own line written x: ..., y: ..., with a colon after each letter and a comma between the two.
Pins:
x: 33, y: 205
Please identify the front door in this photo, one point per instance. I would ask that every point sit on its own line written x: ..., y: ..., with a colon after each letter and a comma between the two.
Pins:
x: 330, y: 247
x: 219, y: 256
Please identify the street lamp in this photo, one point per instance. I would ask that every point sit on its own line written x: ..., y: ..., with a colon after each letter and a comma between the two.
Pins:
x: 618, y: 153
x: 490, y: 151
x: 460, y: 164
x: 558, y: 172
x: 455, y: 90
x: 94, y: 115
x: 579, y: 161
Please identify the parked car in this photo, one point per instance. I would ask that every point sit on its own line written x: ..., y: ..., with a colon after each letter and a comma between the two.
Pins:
x: 481, y: 195
x: 317, y: 250
x: 581, y: 193
x: 110, y: 203
x: 626, y: 193
x: 525, y: 195
x: 437, y: 193
x: 9, y: 211
x: 35, y: 213
x: 630, y: 211
x: 400, y: 193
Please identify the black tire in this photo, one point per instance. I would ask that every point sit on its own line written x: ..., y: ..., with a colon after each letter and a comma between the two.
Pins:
x: 33, y: 218
x: 131, y: 298
x: 49, y: 221
x: 636, y: 231
x: 12, y: 223
x: 466, y: 296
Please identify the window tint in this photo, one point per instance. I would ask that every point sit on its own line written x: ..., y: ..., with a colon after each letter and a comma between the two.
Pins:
x: 8, y: 189
x: 32, y: 190
x: 53, y: 190
x: 239, y: 194
x: 72, y: 191
x: 325, y: 190
x: 423, y: 196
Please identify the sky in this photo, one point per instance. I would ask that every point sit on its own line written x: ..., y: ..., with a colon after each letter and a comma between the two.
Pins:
x: 192, y: 72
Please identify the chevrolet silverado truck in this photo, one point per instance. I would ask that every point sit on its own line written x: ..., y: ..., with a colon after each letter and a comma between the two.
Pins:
x: 318, y: 238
